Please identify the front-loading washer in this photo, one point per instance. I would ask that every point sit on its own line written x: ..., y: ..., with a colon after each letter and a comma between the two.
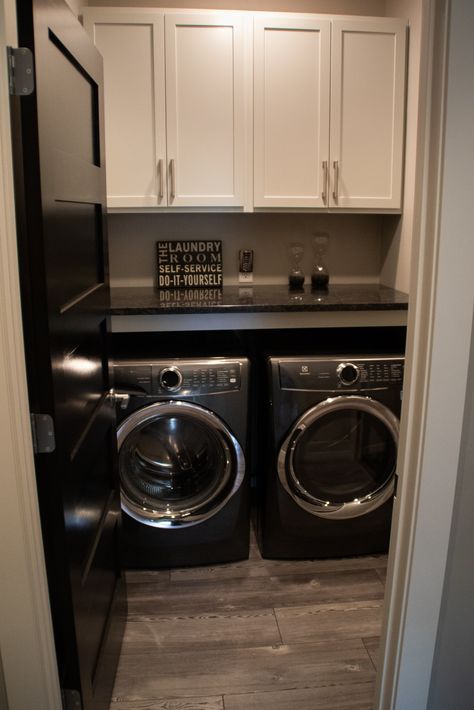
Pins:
x: 331, y: 474
x: 182, y: 441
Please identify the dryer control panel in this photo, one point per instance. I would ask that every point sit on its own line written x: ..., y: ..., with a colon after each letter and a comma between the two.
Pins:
x: 180, y: 377
x: 344, y: 373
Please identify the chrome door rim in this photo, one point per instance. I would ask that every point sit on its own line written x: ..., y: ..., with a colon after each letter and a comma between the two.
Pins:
x: 324, y: 509
x: 185, y: 518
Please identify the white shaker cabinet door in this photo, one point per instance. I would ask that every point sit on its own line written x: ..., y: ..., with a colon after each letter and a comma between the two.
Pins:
x: 132, y: 46
x: 367, y: 113
x: 291, y: 111
x: 205, y: 109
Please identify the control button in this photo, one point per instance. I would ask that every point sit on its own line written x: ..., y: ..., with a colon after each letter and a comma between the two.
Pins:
x: 170, y: 379
x: 348, y: 373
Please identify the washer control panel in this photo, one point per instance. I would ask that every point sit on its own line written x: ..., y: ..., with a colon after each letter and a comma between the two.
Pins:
x: 340, y: 374
x: 180, y: 377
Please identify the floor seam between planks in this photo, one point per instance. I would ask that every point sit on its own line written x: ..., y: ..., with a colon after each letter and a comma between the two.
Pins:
x: 278, y: 625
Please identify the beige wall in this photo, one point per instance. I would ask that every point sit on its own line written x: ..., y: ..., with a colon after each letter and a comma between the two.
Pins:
x: 353, y: 256
x: 75, y: 5
x: 349, y: 7
x: 397, y: 233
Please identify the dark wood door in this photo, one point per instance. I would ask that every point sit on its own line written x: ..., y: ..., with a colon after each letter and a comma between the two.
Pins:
x: 60, y: 189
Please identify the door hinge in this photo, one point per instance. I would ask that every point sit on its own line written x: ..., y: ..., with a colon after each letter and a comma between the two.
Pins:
x: 42, y: 429
x: 21, y: 77
x: 71, y: 699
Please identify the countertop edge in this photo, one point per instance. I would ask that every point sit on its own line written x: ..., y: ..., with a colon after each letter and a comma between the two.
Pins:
x: 222, y: 309
x: 129, y: 301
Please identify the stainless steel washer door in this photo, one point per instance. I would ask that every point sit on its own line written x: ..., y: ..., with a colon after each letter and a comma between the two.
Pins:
x: 178, y: 463
x: 339, y: 459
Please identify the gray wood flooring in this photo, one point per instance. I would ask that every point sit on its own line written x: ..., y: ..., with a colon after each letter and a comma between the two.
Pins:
x: 254, y: 635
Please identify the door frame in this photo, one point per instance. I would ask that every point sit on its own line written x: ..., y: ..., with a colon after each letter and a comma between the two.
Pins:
x: 419, y: 577
x: 25, y: 617
x: 438, y: 353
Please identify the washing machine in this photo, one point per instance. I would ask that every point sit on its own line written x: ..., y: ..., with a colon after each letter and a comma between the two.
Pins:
x: 182, y: 441
x: 331, y: 473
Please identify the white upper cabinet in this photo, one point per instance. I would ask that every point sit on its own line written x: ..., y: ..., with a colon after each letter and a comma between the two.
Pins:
x: 205, y: 109
x: 174, y: 137
x: 327, y: 101
x: 131, y: 43
x: 367, y: 113
x: 307, y: 153
x: 291, y: 111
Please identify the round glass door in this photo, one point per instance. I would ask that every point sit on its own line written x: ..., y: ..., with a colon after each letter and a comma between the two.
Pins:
x: 339, y: 459
x: 178, y: 464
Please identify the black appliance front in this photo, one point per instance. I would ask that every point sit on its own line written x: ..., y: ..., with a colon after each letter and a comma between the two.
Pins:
x: 182, y: 439
x: 329, y: 485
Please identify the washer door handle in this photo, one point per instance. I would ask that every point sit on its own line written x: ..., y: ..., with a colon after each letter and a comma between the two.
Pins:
x: 121, y: 399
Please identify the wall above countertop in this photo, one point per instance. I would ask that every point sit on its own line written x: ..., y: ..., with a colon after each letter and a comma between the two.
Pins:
x: 354, y: 254
x: 340, y: 7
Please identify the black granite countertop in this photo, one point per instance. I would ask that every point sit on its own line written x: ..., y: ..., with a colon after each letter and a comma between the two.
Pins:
x: 255, y: 299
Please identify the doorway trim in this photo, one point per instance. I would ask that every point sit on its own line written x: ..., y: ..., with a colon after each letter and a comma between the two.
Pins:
x: 29, y: 678
x: 438, y: 349
x: 25, y: 603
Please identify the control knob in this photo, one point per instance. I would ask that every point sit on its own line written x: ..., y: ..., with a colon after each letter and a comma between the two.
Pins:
x: 170, y: 379
x: 348, y: 373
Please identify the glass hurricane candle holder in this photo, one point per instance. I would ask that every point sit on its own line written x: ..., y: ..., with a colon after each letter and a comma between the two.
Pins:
x: 296, y: 274
x: 319, y: 271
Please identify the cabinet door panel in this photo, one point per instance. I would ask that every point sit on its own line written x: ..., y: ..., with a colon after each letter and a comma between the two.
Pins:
x: 367, y: 110
x: 291, y: 109
x: 132, y: 45
x: 205, y: 111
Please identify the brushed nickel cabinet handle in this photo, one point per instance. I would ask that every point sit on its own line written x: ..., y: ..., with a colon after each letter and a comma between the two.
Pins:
x: 173, y: 178
x: 327, y: 184
x: 335, y: 194
x: 324, y: 193
x: 161, y: 189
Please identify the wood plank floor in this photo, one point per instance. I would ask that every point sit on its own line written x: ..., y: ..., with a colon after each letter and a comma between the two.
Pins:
x: 254, y: 635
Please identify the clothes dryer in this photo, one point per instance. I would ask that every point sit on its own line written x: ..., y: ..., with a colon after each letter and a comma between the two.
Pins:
x: 182, y: 440
x: 329, y: 485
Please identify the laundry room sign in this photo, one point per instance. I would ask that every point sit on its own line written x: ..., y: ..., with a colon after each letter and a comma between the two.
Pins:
x: 189, y: 264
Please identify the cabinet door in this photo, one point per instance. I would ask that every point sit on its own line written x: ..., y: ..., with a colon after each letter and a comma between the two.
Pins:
x: 291, y: 111
x: 132, y: 45
x: 205, y: 109
x: 367, y: 113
